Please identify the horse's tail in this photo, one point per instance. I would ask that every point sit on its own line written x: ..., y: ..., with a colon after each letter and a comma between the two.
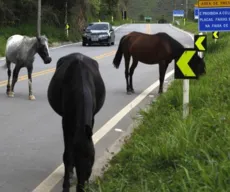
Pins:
x: 118, y: 56
x: 76, y: 94
x: 6, y: 65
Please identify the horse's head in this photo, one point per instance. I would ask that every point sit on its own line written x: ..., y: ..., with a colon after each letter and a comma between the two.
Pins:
x: 201, y: 64
x: 43, y: 49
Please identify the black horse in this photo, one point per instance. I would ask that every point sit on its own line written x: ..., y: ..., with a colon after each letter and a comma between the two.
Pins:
x: 77, y: 93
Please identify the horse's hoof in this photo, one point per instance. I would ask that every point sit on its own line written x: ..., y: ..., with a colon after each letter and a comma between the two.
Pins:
x: 132, y: 91
x: 10, y: 94
x: 129, y: 93
x: 32, y: 97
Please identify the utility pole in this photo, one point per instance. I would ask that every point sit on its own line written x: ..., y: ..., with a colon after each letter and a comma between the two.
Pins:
x: 66, y: 21
x: 66, y: 6
x: 186, y: 9
x: 39, y: 19
x: 174, y: 7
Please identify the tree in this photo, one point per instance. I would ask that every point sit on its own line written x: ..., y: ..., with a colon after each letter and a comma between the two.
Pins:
x: 141, y: 17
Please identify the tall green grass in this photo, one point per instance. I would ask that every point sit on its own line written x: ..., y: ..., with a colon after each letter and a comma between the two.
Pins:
x: 166, y: 153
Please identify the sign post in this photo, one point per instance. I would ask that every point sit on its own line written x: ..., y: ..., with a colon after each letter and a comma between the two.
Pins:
x: 184, y: 71
x: 124, y: 15
x: 214, y: 15
x: 148, y: 19
x: 185, y: 98
x: 67, y: 30
x: 196, y: 12
x: 200, y: 42
x: 186, y: 68
x: 178, y: 13
x: 215, y: 35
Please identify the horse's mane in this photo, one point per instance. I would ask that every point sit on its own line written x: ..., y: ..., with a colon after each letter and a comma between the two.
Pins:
x: 76, y: 82
x: 176, y: 46
x: 173, y: 41
x: 44, y: 37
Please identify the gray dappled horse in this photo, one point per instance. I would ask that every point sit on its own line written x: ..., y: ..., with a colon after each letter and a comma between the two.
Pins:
x: 21, y: 51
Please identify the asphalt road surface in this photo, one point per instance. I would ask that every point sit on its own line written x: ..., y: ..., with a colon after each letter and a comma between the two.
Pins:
x: 31, y: 141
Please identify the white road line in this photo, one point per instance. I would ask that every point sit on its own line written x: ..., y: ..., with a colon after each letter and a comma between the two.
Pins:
x: 189, y: 34
x: 49, y: 183
x: 70, y: 44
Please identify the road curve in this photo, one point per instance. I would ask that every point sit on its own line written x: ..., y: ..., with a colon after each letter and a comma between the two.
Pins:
x: 31, y: 141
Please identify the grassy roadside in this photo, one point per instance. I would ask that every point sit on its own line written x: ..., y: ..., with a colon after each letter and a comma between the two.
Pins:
x: 189, y: 26
x: 53, y: 33
x: 166, y: 153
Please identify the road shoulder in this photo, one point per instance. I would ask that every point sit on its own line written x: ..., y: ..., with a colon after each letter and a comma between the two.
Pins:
x: 103, y: 163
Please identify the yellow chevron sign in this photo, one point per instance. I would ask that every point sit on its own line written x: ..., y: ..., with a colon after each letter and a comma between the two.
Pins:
x: 200, y: 42
x: 215, y: 35
x: 182, y: 68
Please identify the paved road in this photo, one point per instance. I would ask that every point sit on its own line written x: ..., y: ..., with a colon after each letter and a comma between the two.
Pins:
x: 31, y: 141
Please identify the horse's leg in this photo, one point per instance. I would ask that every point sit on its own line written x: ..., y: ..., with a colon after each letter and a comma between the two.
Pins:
x: 127, y: 60
x: 15, y: 79
x: 80, y: 179
x: 84, y: 166
x: 9, y: 76
x: 29, y: 71
x: 67, y: 159
x: 132, y: 68
x: 67, y: 164
x: 163, y: 65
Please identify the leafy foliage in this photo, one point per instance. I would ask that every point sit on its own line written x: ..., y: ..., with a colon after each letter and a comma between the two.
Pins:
x: 22, y: 11
x: 156, y: 8
x: 20, y: 16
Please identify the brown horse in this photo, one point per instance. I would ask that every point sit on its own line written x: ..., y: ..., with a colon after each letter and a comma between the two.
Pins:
x: 159, y: 48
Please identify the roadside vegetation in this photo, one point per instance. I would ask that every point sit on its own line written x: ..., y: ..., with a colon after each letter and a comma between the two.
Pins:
x: 137, y: 9
x: 20, y: 17
x: 167, y: 153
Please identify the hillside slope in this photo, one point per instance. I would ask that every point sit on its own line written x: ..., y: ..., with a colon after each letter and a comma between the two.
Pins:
x: 156, y: 8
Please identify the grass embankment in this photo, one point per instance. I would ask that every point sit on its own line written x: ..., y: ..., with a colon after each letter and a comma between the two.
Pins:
x: 53, y: 33
x: 166, y: 153
x: 189, y: 26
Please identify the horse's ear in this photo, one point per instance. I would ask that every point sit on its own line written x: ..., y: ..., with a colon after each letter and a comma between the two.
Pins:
x: 38, y: 38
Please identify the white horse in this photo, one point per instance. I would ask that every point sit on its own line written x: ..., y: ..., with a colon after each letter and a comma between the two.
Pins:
x: 21, y: 51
